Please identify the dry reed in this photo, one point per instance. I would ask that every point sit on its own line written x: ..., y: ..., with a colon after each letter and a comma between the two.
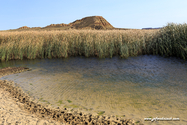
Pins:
x: 169, y: 41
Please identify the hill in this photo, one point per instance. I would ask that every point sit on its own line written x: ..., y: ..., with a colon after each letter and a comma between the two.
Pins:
x: 92, y: 22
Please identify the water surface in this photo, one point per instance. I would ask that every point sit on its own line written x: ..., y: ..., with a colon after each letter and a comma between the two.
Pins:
x: 137, y: 87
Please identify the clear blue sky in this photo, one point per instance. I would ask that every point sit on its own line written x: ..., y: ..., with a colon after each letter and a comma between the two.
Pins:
x: 120, y: 13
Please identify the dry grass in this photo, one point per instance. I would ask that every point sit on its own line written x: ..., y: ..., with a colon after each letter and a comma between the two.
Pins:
x: 168, y: 41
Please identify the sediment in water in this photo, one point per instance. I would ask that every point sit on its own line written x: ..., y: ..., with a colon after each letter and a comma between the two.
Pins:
x: 44, y: 111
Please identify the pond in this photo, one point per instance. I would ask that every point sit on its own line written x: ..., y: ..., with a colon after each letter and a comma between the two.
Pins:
x: 136, y: 87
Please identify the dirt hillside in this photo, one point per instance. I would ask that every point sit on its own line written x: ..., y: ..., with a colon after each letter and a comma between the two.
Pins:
x: 24, y: 27
x: 92, y: 22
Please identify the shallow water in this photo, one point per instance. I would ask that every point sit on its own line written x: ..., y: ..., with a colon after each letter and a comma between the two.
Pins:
x: 137, y: 87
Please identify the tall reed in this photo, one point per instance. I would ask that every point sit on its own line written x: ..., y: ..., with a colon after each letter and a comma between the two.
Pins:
x: 171, y: 41
x: 168, y: 41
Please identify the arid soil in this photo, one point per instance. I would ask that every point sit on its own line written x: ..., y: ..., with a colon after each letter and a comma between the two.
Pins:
x: 92, y: 22
x: 17, y: 107
x: 11, y: 113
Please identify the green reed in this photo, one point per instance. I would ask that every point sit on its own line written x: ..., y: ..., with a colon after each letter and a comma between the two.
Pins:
x: 171, y: 41
x: 168, y: 41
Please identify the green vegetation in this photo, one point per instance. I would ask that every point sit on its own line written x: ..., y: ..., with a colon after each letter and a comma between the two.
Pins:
x: 120, y: 115
x: 137, y: 122
x: 69, y: 101
x: 41, y: 99
x: 74, y: 106
x: 30, y: 83
x: 168, y: 41
x: 60, y: 101
x: 171, y: 41
x: 66, y: 106
x: 101, y: 112
x: 182, y: 109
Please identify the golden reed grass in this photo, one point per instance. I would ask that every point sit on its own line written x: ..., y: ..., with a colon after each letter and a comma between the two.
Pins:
x: 170, y: 40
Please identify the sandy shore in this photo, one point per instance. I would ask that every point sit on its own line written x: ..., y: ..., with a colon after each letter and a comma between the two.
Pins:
x: 11, y: 110
x: 17, y: 107
x: 11, y: 113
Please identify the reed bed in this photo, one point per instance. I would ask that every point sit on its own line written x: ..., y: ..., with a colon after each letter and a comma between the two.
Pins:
x: 169, y: 41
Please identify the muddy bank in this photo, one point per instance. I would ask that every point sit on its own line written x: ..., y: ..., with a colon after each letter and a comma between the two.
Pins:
x: 47, y: 112
x: 12, y: 70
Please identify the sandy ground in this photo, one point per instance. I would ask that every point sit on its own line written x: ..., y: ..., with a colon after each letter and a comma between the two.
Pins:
x: 11, y: 113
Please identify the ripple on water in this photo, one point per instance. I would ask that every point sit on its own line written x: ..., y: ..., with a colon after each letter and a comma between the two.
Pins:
x: 137, y: 87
